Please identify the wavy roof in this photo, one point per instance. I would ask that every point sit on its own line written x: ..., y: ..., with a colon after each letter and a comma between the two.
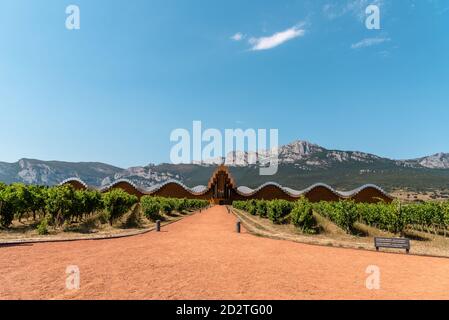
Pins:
x: 126, y: 181
x: 66, y: 181
x: 247, y: 192
x: 242, y: 190
x: 198, y: 190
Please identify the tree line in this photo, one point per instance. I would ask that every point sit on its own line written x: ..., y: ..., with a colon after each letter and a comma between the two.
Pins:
x: 299, y: 213
x: 154, y: 208
x: 393, y: 217
x: 61, y: 205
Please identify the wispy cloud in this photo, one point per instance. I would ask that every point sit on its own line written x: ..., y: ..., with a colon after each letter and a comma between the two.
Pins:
x: 443, y: 11
x: 238, y: 36
x: 266, y: 43
x: 368, y: 42
x: 440, y: 6
x: 384, y: 53
x: 354, y: 7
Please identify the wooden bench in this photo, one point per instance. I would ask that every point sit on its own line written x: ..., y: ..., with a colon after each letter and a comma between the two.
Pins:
x: 392, y: 243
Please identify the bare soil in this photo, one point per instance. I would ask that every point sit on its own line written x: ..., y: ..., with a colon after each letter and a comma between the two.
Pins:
x: 202, y: 257
x: 413, y: 196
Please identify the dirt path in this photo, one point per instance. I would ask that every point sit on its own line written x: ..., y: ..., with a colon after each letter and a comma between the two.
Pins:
x: 201, y: 257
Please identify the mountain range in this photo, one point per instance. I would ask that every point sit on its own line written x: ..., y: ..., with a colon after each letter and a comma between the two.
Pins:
x: 301, y: 164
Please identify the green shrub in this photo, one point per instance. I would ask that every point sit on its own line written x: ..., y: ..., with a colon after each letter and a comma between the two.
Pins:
x: 342, y: 213
x: 302, y: 216
x: 240, y: 205
x: 195, y: 204
x: 154, y: 207
x: 167, y: 206
x: 151, y: 208
x: 279, y: 210
x: 59, y: 203
x: 116, y: 203
x: 395, y: 217
x: 42, y: 228
x: 181, y: 205
x: 385, y: 216
x: 64, y: 204
x: 262, y: 208
x: 23, y: 199
x: 251, y: 207
x: 103, y: 217
x: 8, y: 204
x: 91, y: 202
x: 37, y: 202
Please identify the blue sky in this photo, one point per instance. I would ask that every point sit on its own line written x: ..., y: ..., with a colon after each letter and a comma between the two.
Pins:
x: 115, y: 89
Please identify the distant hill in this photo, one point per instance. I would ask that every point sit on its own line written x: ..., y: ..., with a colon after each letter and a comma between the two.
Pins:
x: 300, y: 164
x: 32, y: 171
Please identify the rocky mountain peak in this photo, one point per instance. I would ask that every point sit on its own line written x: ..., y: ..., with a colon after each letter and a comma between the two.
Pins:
x: 298, y: 159
x: 436, y: 161
x: 298, y: 150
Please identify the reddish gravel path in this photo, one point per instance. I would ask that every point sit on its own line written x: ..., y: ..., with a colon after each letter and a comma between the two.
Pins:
x: 201, y: 257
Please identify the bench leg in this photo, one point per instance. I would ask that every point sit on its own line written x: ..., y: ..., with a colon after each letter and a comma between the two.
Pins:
x: 377, y: 248
x: 408, y: 251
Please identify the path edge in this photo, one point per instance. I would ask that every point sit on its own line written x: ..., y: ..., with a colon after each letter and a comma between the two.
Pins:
x: 252, y: 229
x: 93, y: 238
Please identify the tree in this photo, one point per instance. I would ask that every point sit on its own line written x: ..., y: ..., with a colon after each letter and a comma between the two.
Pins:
x: 116, y: 203
x: 167, y: 206
x: 8, y: 200
x: 302, y: 216
x: 151, y: 208
x: 92, y: 201
x: 181, y: 205
x: 23, y: 199
x: 38, y: 195
x: 59, y: 203
x: 278, y: 210
x: 262, y: 207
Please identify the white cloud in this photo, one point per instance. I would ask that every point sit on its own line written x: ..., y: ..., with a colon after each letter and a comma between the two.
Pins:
x: 368, y: 42
x: 238, y: 36
x: 265, y: 43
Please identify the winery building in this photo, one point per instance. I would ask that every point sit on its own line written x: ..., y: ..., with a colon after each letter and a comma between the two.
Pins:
x: 222, y: 189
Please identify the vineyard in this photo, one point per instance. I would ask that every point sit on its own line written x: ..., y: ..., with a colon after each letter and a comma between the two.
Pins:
x: 299, y: 213
x: 63, y: 206
x: 396, y: 218
x: 156, y: 208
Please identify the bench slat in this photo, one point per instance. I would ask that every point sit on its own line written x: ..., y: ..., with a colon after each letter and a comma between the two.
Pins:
x: 394, y: 243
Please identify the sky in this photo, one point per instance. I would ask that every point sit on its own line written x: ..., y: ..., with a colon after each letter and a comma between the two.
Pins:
x: 115, y: 89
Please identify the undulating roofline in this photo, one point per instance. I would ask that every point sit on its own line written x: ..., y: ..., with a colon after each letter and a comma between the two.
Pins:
x: 246, y: 191
x: 267, y: 191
